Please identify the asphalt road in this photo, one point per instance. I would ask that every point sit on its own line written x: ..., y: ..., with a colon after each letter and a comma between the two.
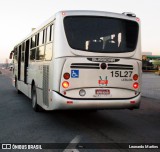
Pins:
x: 151, y: 85
x: 20, y: 124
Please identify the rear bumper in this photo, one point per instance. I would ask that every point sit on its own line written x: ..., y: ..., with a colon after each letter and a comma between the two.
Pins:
x: 61, y: 102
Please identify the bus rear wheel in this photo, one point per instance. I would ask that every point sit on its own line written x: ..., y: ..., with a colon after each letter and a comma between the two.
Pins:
x: 35, y: 106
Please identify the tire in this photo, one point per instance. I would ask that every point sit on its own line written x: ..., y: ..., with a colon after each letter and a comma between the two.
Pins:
x: 35, y: 106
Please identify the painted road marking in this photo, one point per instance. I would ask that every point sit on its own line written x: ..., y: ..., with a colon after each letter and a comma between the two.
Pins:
x: 74, y: 141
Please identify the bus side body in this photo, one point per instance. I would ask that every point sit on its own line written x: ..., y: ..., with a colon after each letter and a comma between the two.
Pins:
x: 85, y: 70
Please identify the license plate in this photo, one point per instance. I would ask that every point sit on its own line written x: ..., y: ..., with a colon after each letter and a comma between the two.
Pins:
x: 102, y: 92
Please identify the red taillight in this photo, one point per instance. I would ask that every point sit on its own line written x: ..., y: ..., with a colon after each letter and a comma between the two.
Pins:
x: 135, y: 85
x: 135, y: 77
x: 65, y: 84
x: 66, y: 76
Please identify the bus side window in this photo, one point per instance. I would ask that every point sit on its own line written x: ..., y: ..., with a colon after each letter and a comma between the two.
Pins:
x: 33, y: 42
x: 40, y: 48
x: 15, y: 56
x: 49, y: 43
x: 32, y: 50
x: 48, y: 51
x: 37, y: 39
x: 43, y: 37
x: 22, y: 55
x: 32, y: 54
x: 40, y: 53
x: 40, y: 41
x: 48, y: 33
x: 19, y: 53
x: 51, y: 33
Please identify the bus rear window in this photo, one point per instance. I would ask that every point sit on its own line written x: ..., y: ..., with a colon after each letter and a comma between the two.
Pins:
x: 101, y: 34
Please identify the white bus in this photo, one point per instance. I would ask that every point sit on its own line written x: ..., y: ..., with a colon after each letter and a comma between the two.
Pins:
x: 81, y: 60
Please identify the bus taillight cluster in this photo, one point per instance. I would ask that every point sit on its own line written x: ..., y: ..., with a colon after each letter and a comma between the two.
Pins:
x: 65, y: 84
x: 135, y: 84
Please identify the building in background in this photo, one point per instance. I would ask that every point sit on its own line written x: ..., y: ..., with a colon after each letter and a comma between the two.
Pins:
x: 150, y: 63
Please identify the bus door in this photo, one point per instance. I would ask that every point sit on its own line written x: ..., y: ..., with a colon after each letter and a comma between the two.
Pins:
x: 22, y: 61
x: 19, y: 62
x: 26, y: 61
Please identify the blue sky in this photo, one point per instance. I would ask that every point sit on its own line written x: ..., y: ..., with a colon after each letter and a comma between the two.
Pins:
x: 19, y: 16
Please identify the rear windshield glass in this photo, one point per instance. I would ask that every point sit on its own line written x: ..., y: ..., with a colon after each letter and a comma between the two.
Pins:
x: 101, y: 34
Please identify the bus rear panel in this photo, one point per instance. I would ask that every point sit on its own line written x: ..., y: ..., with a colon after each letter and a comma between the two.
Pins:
x: 102, y: 71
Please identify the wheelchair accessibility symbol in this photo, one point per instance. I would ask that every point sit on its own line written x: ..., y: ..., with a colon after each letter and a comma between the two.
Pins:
x: 74, y: 73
